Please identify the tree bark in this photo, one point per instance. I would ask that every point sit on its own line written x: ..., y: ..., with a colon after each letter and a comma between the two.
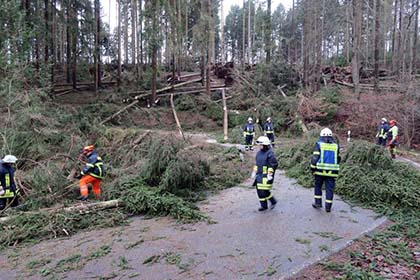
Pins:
x: 46, y: 31
x: 97, y: 57
x: 74, y: 45
x: 415, y: 37
x: 125, y: 9
x: 268, y: 34
x: 376, y: 44
x: 357, y: 33
x: 119, y: 46
x: 243, y: 34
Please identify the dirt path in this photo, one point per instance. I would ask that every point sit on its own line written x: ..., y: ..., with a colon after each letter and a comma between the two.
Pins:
x: 242, y: 243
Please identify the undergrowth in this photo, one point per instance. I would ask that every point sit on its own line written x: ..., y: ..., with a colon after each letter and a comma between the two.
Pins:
x: 370, y: 178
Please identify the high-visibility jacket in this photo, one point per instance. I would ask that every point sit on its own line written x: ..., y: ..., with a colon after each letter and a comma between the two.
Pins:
x: 382, y: 131
x: 268, y: 128
x: 249, y: 129
x: 326, y: 158
x: 7, y: 180
x: 393, y: 134
x: 94, y: 166
x: 266, y: 162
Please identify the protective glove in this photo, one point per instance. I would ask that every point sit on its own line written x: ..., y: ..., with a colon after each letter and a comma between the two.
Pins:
x: 78, y: 176
x: 253, y: 175
x: 2, y: 191
x: 270, y: 177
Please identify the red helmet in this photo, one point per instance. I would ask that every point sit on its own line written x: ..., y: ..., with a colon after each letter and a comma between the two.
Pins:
x: 392, y: 122
x: 88, y: 149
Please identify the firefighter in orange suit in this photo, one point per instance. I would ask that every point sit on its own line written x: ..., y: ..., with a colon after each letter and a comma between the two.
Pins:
x: 92, y: 173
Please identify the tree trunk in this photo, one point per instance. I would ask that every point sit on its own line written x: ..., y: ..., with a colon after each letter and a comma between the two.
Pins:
x: 376, y: 44
x: 243, y: 34
x: 268, y: 34
x: 249, y: 33
x: 74, y: 45
x: 357, y: 33
x: 119, y: 46
x: 125, y: 12
x: 222, y: 27
x: 415, y: 37
x: 97, y: 47
x: 53, y: 38
x: 133, y: 30
x: 348, y: 2
x: 367, y: 52
x: 68, y: 39
x: 393, y: 51
x: 46, y: 32
x: 291, y: 46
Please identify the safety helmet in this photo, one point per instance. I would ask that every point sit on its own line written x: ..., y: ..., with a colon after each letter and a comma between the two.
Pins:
x: 325, y: 132
x: 263, y: 140
x: 392, y: 122
x: 250, y: 119
x: 384, y: 120
x: 9, y: 159
x: 88, y: 149
x: 269, y: 119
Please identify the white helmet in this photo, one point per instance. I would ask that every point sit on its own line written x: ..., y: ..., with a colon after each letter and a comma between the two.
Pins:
x: 263, y: 140
x: 384, y: 120
x: 9, y: 159
x: 250, y: 119
x: 269, y: 119
x: 325, y: 132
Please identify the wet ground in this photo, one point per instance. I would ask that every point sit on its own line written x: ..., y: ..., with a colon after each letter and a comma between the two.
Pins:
x: 242, y: 243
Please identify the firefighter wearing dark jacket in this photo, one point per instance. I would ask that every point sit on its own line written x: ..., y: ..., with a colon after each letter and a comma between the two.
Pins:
x: 325, y: 167
x: 8, y: 189
x: 269, y: 130
x: 92, y: 173
x: 249, y: 133
x: 263, y: 174
x: 382, y: 132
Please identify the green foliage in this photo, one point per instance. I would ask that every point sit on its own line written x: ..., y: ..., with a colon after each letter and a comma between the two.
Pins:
x: 330, y: 100
x: 140, y: 199
x: 275, y: 74
x: 43, y: 225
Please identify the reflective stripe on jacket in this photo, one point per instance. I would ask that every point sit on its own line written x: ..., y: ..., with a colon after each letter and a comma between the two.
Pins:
x: 268, y: 127
x: 7, y: 180
x: 266, y: 162
x: 325, y: 160
x: 94, y: 167
x: 249, y: 129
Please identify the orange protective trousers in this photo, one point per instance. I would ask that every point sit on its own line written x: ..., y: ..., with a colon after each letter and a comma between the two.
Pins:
x: 96, y: 185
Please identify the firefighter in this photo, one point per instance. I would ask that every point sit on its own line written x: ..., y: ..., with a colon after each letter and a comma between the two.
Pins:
x: 393, y: 138
x: 93, y: 173
x: 249, y: 133
x: 382, y: 132
x: 8, y: 189
x: 263, y: 173
x: 269, y: 131
x: 325, y: 167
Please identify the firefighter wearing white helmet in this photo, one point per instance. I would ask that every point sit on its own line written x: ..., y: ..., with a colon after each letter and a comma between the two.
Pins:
x: 325, y: 164
x: 381, y: 135
x: 263, y: 174
x: 8, y: 190
x: 249, y: 133
x: 269, y: 130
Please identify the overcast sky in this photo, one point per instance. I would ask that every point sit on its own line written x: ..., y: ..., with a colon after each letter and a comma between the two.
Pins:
x: 109, y: 12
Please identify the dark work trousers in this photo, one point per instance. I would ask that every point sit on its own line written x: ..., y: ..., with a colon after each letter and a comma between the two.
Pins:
x: 271, y: 137
x: 248, y: 141
x: 329, y: 189
x: 13, y: 201
x: 381, y: 141
x: 264, y: 196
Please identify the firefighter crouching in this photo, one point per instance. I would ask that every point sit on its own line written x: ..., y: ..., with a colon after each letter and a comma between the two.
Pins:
x: 93, y: 173
x: 325, y: 167
x: 264, y: 169
x: 8, y: 189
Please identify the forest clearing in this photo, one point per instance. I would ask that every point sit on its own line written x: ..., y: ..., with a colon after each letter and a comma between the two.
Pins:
x: 178, y: 141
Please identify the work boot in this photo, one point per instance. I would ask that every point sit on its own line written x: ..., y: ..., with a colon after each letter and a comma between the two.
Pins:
x: 328, y: 210
x: 262, y: 208
x: 273, y: 202
x: 328, y: 207
x: 316, y: 206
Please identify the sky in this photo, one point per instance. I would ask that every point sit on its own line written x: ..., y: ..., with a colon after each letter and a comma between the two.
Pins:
x: 109, y: 12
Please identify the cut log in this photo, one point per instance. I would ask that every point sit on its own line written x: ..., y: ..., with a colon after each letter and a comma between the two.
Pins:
x: 119, y: 112
x: 178, y: 124
x: 81, y: 209
x: 138, y: 140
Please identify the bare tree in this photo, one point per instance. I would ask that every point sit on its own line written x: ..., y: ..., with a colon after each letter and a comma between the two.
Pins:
x: 357, y: 33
